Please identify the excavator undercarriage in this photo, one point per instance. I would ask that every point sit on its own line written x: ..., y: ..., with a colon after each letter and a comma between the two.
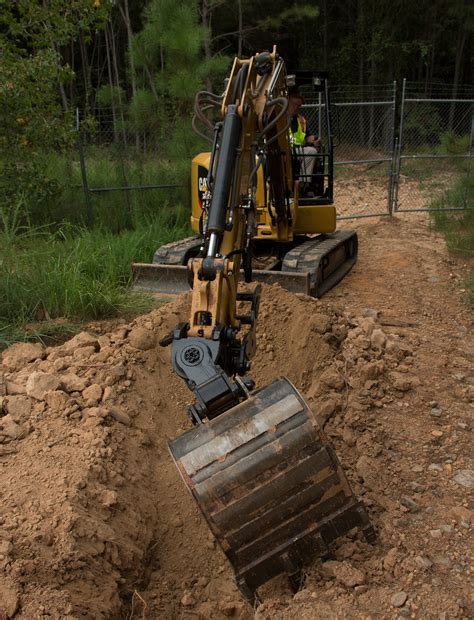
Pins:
x: 256, y: 460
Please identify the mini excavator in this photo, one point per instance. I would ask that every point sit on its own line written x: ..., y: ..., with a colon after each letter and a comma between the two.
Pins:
x: 256, y: 460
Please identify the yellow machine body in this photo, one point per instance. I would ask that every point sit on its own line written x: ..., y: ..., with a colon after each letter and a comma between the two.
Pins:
x: 308, y: 219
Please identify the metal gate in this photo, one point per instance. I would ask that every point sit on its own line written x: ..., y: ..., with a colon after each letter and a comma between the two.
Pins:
x: 363, y: 132
x: 433, y: 157
x: 383, y: 166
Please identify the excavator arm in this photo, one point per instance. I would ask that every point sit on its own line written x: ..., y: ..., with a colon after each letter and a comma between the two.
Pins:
x: 257, y: 463
x: 208, y: 352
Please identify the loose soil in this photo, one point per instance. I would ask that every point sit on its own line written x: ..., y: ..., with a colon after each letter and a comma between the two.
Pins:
x: 95, y: 521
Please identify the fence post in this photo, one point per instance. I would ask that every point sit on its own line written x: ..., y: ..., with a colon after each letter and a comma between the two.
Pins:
x: 398, y: 157
x: 85, y: 184
x: 394, y: 143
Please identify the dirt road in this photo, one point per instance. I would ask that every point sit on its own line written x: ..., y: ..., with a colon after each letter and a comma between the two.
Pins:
x: 95, y: 522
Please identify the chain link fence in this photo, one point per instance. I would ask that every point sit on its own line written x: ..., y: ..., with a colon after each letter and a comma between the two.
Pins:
x: 363, y: 129
x: 396, y: 149
x: 125, y: 169
x: 434, y: 150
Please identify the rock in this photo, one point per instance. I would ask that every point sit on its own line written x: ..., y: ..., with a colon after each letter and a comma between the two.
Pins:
x: 435, y: 412
x: 371, y: 370
x: 409, y: 503
x: 367, y: 325
x: 142, y: 339
x: 370, y: 313
x: 70, y: 382
x: 465, y: 478
x: 19, y: 407
x: 187, y: 600
x: 10, y: 429
x: 436, y: 534
x: 423, y: 562
x: 348, y: 436
x: 92, y: 394
x: 5, y: 548
x: 399, y: 599
x: 83, y: 353
x: 39, y: 383
x: 119, y: 415
x: 8, y: 598
x: 107, y: 394
x: 346, y: 550
x: 390, y: 559
x: 333, y: 379
x: 56, y: 400
x: 403, y: 382
x: 462, y: 514
x: 378, y: 339
x: 344, y: 573
x: 326, y: 409
x: 15, y: 388
x: 20, y: 354
x: 109, y: 498
x: 367, y: 470
x: 83, y: 339
x: 320, y: 323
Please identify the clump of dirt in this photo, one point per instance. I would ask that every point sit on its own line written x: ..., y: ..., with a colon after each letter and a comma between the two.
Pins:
x: 95, y: 521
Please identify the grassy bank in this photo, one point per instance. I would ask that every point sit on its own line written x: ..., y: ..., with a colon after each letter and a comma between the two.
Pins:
x: 74, y: 273
x: 458, y: 226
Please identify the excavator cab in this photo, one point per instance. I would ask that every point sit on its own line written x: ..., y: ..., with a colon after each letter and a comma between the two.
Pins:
x: 318, y: 186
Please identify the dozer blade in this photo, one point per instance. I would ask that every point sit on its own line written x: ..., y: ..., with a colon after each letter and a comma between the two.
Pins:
x: 269, y: 485
x: 173, y: 279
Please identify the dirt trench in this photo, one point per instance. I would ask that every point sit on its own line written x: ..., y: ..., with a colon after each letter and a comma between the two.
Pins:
x: 96, y: 523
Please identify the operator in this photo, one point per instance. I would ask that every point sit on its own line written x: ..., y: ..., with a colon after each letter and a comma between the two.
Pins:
x: 306, y: 146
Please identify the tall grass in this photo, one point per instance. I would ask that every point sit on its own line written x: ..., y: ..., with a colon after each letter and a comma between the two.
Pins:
x: 458, y: 226
x: 108, y: 167
x: 76, y: 273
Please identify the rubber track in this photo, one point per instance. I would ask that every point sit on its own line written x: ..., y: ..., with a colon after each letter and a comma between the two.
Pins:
x: 309, y: 256
x: 176, y: 252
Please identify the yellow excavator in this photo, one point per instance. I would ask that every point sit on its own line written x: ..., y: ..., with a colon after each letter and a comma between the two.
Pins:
x: 256, y: 460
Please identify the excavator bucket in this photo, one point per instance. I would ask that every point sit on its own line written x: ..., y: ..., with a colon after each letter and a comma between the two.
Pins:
x: 269, y: 485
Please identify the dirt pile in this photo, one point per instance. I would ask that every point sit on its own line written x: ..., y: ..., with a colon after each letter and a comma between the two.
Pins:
x: 95, y: 522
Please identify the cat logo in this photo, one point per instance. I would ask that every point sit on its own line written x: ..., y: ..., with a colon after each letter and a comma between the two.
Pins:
x: 203, y: 194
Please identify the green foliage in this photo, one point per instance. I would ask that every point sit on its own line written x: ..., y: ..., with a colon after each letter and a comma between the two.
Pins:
x: 107, y: 95
x: 453, y: 144
x: 75, y: 273
x: 422, y: 125
x: 31, y: 118
x: 458, y: 227
x: 168, y: 51
x: 289, y: 15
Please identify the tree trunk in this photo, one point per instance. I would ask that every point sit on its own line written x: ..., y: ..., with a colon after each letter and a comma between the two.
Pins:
x: 117, y: 79
x: 111, y: 84
x: 325, y: 34
x: 206, y: 22
x: 457, y: 72
x: 85, y: 67
x: 126, y: 18
x: 239, y: 46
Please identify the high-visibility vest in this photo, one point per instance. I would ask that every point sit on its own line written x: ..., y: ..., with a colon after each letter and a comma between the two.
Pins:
x: 298, y: 137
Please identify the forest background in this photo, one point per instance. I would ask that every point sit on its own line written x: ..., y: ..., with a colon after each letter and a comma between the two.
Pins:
x: 125, y: 64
